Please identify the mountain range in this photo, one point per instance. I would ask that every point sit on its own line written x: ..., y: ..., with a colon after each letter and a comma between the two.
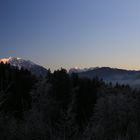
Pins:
x: 26, y: 64
x: 114, y: 75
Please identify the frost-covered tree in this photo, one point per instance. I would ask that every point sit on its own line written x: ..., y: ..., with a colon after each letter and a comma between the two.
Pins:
x: 66, y: 126
x: 115, y: 116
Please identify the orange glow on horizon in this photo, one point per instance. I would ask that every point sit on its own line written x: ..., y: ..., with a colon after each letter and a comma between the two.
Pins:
x: 4, y: 60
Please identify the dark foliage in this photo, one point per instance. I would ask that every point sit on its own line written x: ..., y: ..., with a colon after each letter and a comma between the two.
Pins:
x: 15, y: 87
x: 66, y: 107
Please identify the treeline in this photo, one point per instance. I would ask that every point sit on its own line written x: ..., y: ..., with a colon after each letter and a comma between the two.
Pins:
x: 65, y: 107
x: 15, y: 86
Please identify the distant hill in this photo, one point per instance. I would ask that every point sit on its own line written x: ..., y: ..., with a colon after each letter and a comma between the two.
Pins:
x: 113, y: 75
x: 26, y: 64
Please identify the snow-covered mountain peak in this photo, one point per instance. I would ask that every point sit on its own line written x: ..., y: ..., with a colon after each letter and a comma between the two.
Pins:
x: 78, y: 70
x: 14, y: 58
x: 9, y: 59
x: 5, y: 60
x: 26, y: 64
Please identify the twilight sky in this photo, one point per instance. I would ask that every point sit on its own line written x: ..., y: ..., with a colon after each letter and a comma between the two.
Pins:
x: 69, y: 33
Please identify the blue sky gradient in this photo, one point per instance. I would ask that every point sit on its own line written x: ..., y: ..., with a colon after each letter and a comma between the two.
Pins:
x: 70, y: 33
